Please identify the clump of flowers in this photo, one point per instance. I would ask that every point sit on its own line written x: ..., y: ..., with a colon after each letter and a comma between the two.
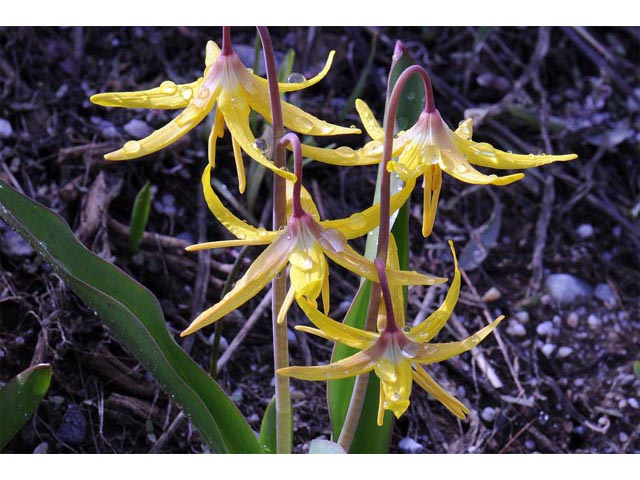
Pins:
x: 301, y: 242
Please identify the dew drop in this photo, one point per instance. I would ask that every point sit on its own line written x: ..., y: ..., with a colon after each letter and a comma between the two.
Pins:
x: 186, y: 92
x: 410, y: 350
x: 284, y: 169
x: 411, y: 95
x: 301, y: 124
x: 261, y: 232
x: 372, y: 149
x: 282, y: 228
x: 403, y: 171
x: 261, y: 144
x: 250, y: 70
x: 353, y: 127
x: 204, y: 93
x: 132, y: 146
x: 335, y: 238
x: 460, y: 168
x: 296, y: 78
x: 406, y: 329
x: 485, y: 149
x: 301, y: 260
x: 345, y: 152
x: 168, y: 87
x: 395, y: 397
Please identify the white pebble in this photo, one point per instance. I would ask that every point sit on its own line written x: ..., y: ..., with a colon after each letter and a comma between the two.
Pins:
x: 516, y: 329
x: 572, y: 319
x: 633, y: 403
x: 547, y: 349
x: 409, y: 445
x: 523, y: 316
x: 138, y: 128
x: 545, y: 328
x: 5, y: 128
x: 585, y: 230
x: 623, y: 437
x: 594, y: 321
x: 557, y: 321
x: 564, y: 352
x: 488, y: 414
x: 492, y: 295
x: 622, y: 404
x: 566, y: 289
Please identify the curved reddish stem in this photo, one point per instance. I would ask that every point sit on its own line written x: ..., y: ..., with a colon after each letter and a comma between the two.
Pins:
x: 296, y: 206
x: 391, y: 325
x: 227, y: 49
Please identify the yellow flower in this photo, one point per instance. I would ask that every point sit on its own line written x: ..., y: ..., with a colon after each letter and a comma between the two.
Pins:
x: 430, y: 147
x: 396, y: 354
x: 235, y: 90
x: 304, y: 245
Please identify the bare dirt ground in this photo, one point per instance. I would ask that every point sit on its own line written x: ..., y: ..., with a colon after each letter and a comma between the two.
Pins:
x: 559, y: 376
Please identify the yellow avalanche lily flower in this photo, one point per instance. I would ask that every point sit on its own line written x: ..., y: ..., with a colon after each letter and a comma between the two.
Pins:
x: 430, y: 147
x: 304, y: 245
x: 234, y: 90
x: 396, y: 354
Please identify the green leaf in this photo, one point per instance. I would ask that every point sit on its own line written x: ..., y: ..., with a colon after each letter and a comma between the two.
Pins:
x: 20, y: 398
x: 139, y: 217
x: 286, y: 66
x: 369, y: 438
x: 268, y: 434
x: 134, y: 317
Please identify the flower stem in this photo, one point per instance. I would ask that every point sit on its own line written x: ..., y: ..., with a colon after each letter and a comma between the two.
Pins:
x: 280, y: 338
x: 296, y: 206
x: 227, y: 49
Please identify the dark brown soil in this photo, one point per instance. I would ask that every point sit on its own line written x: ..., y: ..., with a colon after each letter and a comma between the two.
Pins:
x: 562, y: 377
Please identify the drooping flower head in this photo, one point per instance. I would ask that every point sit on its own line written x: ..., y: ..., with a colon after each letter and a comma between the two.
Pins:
x: 234, y: 91
x: 396, y: 353
x: 303, y: 245
x: 430, y: 147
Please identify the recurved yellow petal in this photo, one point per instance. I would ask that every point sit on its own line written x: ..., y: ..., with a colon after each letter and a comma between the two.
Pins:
x: 240, y: 229
x: 211, y: 53
x: 195, y: 112
x: 369, y: 121
x: 430, y: 327
x: 336, y: 331
x: 261, y: 272
x: 217, y: 131
x: 361, y: 223
x: 167, y: 96
x: 437, y: 352
x: 342, y: 156
x: 225, y: 244
x: 455, y: 164
x: 236, y: 112
x: 452, y: 404
x: 295, y: 86
x: 361, y: 362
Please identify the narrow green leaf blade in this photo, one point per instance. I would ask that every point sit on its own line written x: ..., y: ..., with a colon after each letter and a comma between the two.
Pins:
x: 20, y: 398
x: 134, y: 317
x: 139, y: 216
x: 268, y: 434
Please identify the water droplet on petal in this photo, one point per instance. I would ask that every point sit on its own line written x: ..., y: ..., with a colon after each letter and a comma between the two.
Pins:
x: 345, y: 152
x: 395, y: 397
x: 282, y: 228
x: 410, y: 350
x: 168, y: 87
x: 186, y: 92
x: 284, y: 169
x: 261, y: 232
x: 403, y: 171
x: 301, y: 260
x: 335, y: 238
x: 461, y: 168
x: 296, y: 78
x: 372, y: 149
x: 132, y: 146
x: 406, y: 329
x: 301, y: 124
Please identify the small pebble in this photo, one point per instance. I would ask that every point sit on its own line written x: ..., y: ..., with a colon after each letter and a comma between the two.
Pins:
x: 237, y: 395
x: 409, y: 445
x: 14, y: 245
x: 545, y: 299
x: 5, y: 128
x: 623, y: 437
x: 633, y: 403
x: 547, y: 349
x: 594, y: 321
x: 41, y: 448
x: 523, y: 317
x: 585, y: 230
x: 488, y: 414
x: 604, y: 293
x: 557, y: 320
x: 516, y: 329
x: 73, y: 428
x: 492, y: 295
x: 572, y: 319
x: 530, y: 444
x: 622, y: 404
x: 566, y: 289
x: 545, y: 328
x: 564, y: 352
x: 138, y: 128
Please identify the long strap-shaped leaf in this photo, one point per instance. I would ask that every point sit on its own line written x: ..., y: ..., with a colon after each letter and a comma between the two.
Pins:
x: 20, y: 398
x: 134, y: 317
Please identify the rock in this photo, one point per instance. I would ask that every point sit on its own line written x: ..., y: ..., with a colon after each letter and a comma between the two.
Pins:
x: 409, y: 445
x: 594, y: 321
x: 5, y: 128
x: 237, y: 396
x: 107, y: 129
x: 73, y: 428
x: 604, y: 293
x: 13, y: 245
x: 564, y: 352
x: 623, y: 437
x: 492, y: 295
x: 566, y: 289
x: 523, y: 317
x: 516, y: 329
x: 488, y: 414
x: 572, y: 319
x: 585, y: 230
x: 547, y: 349
x: 138, y: 128
x: 633, y: 403
x: 530, y: 444
x: 41, y: 448
x: 545, y: 328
